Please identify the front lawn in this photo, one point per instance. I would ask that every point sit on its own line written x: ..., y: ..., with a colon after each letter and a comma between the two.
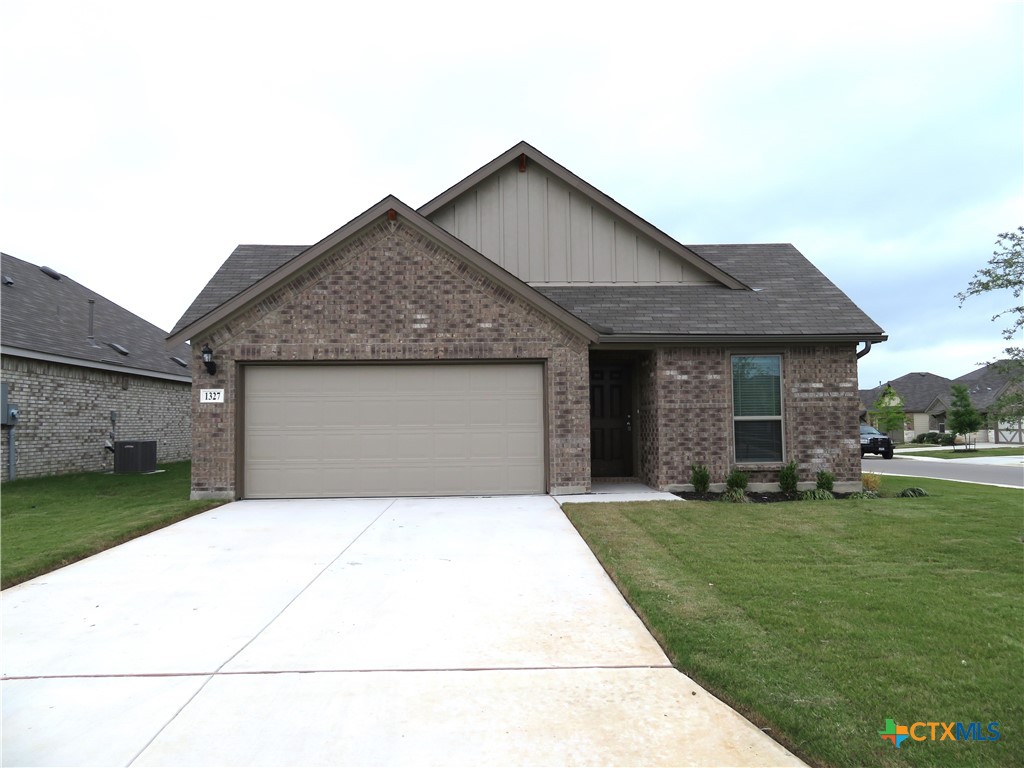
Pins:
x: 49, y: 522
x: 964, y: 453
x: 821, y: 620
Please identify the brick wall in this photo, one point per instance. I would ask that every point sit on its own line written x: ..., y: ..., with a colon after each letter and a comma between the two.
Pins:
x: 64, y: 416
x: 391, y: 294
x: 686, y: 414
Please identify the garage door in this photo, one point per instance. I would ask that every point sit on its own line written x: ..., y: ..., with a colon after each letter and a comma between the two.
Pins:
x: 393, y: 430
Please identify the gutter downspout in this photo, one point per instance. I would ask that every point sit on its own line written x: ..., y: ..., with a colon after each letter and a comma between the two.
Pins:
x: 867, y: 348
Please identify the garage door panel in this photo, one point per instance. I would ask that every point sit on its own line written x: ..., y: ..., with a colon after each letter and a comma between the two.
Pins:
x: 524, y: 445
x: 383, y: 430
x: 520, y: 411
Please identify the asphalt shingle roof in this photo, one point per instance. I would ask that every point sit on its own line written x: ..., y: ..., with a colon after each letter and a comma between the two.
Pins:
x: 794, y: 298
x: 917, y: 389
x: 984, y: 385
x: 43, y: 315
x: 246, y: 265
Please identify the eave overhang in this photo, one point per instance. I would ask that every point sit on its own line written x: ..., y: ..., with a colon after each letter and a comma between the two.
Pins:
x: 112, y: 366
x: 639, y: 340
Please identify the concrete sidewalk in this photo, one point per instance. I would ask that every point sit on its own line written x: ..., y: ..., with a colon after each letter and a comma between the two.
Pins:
x: 352, y: 632
x: 966, y: 457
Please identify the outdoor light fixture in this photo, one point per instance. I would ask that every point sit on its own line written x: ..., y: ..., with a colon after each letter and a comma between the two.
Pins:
x: 211, y: 367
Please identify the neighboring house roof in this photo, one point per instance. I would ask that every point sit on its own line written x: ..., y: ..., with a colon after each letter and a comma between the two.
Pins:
x: 918, y: 390
x: 210, y: 307
x: 46, y: 315
x: 985, y: 385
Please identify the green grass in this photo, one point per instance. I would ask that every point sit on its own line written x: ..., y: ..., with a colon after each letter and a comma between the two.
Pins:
x: 48, y: 522
x: 820, y: 620
x: 963, y: 453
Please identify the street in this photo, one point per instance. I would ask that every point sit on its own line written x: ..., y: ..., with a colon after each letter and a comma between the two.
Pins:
x: 1008, y: 472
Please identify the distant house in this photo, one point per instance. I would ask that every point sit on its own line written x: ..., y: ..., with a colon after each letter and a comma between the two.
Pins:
x: 919, y: 392
x: 83, y: 371
x: 985, y: 386
x: 926, y: 400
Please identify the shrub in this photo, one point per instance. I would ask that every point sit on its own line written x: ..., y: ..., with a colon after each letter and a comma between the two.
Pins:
x: 826, y: 481
x: 737, y: 480
x: 907, y: 493
x: 816, y: 494
x: 927, y: 437
x: 700, y: 477
x: 871, y: 482
x: 735, y: 495
x: 863, y: 495
x: 946, y: 438
x: 788, y: 478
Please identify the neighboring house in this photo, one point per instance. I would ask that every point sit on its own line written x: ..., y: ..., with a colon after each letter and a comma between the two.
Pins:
x: 985, y: 386
x: 79, y: 368
x: 918, y: 392
x: 520, y: 333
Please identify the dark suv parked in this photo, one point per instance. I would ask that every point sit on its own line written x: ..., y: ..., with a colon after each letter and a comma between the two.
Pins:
x: 873, y: 441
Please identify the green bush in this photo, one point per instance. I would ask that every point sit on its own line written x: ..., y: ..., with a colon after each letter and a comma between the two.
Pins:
x: 908, y: 493
x: 788, y: 478
x: 816, y: 494
x: 734, y: 495
x: 932, y: 438
x: 737, y: 480
x: 863, y: 495
x: 826, y: 481
x: 700, y: 478
x: 946, y: 438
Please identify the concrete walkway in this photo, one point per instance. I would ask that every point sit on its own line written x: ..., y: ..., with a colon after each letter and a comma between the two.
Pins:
x: 352, y: 632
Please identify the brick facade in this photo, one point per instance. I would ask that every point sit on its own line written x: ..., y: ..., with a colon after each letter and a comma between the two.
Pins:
x: 64, y: 416
x: 685, y: 415
x: 391, y: 294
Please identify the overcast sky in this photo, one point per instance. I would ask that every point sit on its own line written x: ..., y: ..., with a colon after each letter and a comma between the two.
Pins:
x: 141, y: 141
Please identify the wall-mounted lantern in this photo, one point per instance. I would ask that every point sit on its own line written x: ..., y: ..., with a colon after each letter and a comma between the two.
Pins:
x: 211, y: 367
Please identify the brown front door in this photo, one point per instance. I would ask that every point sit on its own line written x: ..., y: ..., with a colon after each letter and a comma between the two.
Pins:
x: 611, y: 438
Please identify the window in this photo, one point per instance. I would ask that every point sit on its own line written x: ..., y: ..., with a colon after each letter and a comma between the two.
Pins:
x: 757, y: 407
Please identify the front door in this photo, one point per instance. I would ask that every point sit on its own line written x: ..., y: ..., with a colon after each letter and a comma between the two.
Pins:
x: 611, y: 427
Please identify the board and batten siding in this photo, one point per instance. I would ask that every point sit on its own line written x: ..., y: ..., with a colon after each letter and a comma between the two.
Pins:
x: 544, y: 232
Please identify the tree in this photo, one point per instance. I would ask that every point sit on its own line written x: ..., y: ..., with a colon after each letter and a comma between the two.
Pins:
x: 1005, y: 271
x: 963, y: 418
x: 887, y: 411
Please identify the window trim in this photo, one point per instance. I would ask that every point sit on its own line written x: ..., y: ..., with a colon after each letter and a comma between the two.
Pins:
x: 780, y: 418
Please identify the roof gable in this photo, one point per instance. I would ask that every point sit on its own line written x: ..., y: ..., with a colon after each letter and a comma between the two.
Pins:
x: 235, y: 277
x: 918, y: 390
x: 49, y: 316
x: 547, y: 226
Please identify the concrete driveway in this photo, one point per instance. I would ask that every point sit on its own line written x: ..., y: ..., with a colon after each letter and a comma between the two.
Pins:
x: 352, y: 632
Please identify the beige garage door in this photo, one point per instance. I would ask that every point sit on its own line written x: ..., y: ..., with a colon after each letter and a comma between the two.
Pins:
x: 393, y: 430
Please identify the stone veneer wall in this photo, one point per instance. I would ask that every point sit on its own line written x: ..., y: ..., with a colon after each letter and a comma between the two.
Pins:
x: 391, y: 294
x: 64, y: 416
x: 686, y: 414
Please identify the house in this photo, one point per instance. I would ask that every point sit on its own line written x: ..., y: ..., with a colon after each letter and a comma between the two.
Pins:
x: 81, y: 371
x: 984, y: 386
x: 522, y: 332
x: 918, y: 392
